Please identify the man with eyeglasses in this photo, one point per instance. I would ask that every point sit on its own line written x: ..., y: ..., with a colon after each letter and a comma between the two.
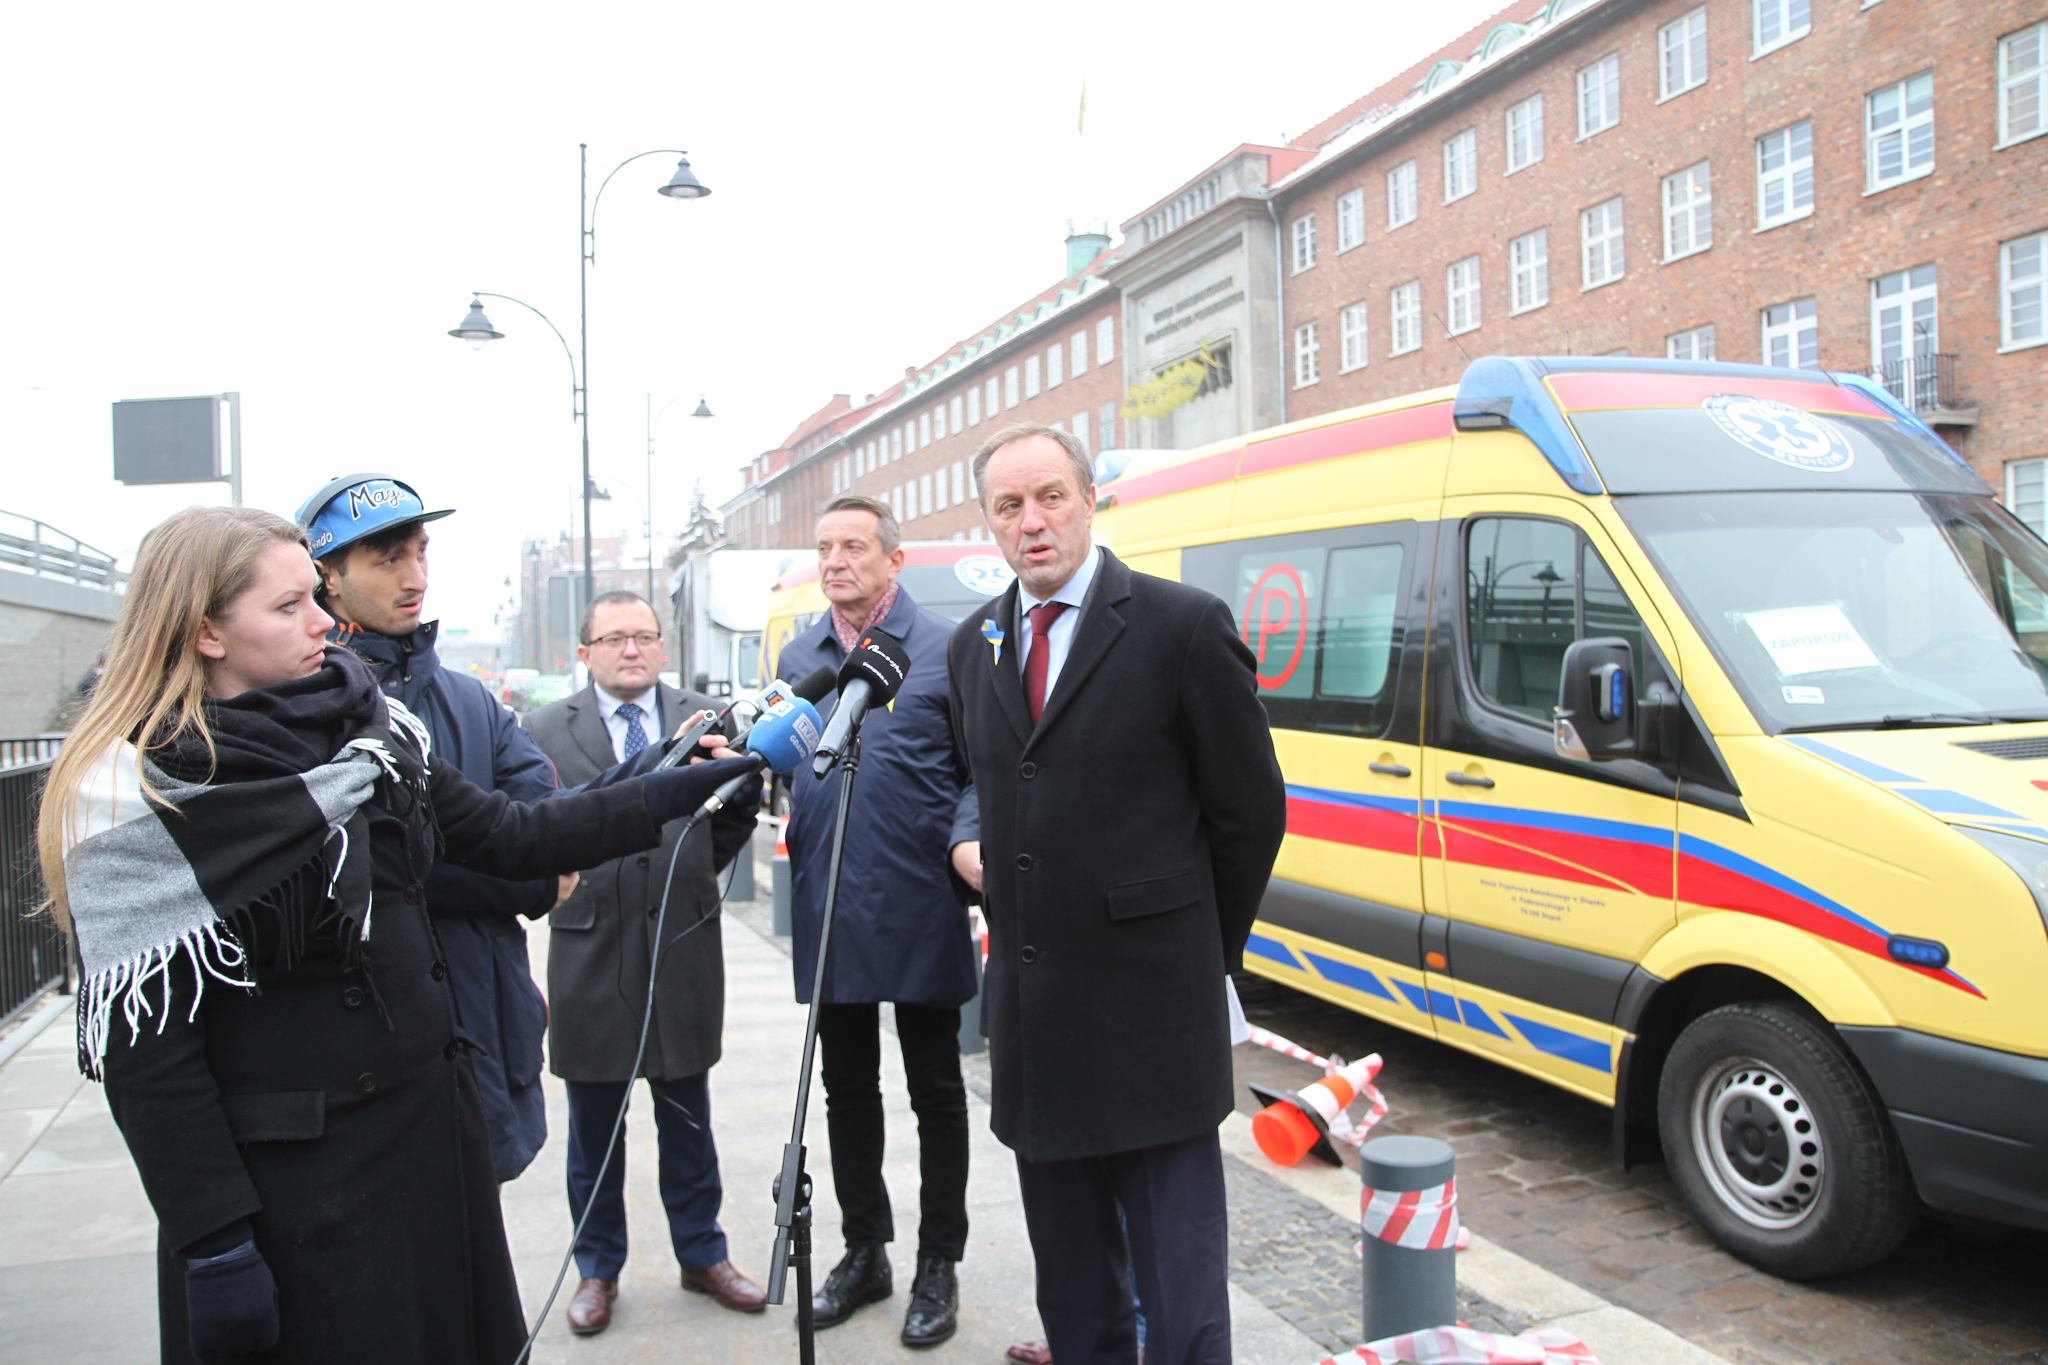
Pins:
x: 368, y: 536
x: 600, y: 950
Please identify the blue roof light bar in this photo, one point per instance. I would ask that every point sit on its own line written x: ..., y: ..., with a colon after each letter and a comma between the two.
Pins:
x: 1499, y: 392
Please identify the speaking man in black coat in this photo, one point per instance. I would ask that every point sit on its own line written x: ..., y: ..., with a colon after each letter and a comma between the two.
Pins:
x: 599, y: 954
x: 1131, y: 808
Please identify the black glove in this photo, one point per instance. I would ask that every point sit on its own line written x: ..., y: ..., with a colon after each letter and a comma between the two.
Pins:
x: 230, y: 1304
x: 675, y: 792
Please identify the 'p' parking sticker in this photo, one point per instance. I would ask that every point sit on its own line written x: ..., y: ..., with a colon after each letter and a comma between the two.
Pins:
x: 1778, y: 431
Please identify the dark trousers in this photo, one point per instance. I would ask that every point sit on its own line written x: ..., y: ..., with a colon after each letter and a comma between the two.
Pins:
x: 690, y: 1188
x: 1172, y: 1201
x: 851, y: 1039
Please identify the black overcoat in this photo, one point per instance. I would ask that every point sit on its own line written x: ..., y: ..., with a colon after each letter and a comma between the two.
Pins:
x: 602, y: 938
x: 334, y: 1106
x: 1125, y: 844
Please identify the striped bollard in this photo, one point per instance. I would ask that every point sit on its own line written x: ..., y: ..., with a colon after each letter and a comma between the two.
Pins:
x: 1410, y: 1216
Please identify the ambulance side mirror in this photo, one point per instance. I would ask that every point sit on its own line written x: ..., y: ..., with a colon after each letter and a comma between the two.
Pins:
x: 1596, y: 701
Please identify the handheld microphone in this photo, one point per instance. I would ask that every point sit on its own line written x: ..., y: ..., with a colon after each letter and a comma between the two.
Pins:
x: 786, y: 734
x: 870, y: 677
x: 814, y: 687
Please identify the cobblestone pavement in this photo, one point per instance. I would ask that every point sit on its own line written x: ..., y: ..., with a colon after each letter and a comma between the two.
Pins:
x: 1535, y: 1175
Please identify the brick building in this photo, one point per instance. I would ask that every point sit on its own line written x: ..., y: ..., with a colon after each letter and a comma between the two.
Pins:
x: 1858, y: 186
x: 1053, y: 359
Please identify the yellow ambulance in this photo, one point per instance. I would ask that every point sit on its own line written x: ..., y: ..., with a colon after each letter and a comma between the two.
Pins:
x: 1677, y: 734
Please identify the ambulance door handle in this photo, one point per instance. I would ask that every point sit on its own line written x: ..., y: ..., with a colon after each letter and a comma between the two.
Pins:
x: 1467, y: 780
x: 1391, y: 769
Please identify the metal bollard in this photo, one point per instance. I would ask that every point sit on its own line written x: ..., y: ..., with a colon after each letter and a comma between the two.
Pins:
x: 778, y: 876
x: 742, y: 885
x: 1409, y: 1287
x: 972, y: 1040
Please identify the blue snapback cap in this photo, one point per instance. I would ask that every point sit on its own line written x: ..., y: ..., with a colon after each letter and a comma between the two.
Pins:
x: 357, y: 505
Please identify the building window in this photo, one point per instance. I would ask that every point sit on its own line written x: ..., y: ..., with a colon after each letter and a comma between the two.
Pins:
x: 1105, y: 341
x: 1461, y: 293
x: 938, y: 478
x: 1351, y: 353
x: 2023, y: 291
x: 2026, y: 493
x: 1600, y: 95
x: 1784, y: 175
x: 1792, y: 335
x: 1525, y: 133
x: 1682, y: 54
x: 959, y: 481
x: 1055, y: 365
x: 1105, y: 427
x: 924, y: 495
x: 1077, y: 354
x: 1529, y: 271
x: 1350, y: 219
x: 2023, y: 84
x: 1306, y: 367
x: 974, y: 406
x: 1404, y: 332
x: 896, y: 444
x: 1031, y: 375
x: 1401, y: 195
x: 1899, y: 131
x: 924, y: 428
x: 1304, y: 231
x: 953, y: 414
x: 1602, y: 259
x: 1688, y: 212
x: 1461, y: 165
x: 1697, y: 344
x: 1081, y: 429
x: 1905, y: 333
x: 1779, y: 22
x: 1010, y: 388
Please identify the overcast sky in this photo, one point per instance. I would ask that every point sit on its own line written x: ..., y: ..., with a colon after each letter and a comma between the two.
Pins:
x: 206, y: 197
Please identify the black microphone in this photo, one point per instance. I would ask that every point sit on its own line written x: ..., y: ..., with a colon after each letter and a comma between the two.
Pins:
x: 813, y: 688
x: 870, y: 677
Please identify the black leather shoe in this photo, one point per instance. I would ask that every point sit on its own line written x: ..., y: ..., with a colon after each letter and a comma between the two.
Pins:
x: 934, y: 1302
x: 861, y: 1277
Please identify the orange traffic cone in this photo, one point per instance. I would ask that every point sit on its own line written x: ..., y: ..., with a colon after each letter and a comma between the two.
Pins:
x: 1289, y: 1127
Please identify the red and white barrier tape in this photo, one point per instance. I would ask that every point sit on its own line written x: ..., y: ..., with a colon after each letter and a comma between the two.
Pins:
x: 1420, y: 1220
x: 1464, y: 1346
x: 977, y: 926
x: 1342, y: 1127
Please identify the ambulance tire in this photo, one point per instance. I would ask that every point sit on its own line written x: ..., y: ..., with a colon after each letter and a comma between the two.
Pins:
x: 1779, y: 1144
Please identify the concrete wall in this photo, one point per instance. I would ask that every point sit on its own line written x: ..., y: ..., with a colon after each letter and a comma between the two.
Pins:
x: 50, y: 633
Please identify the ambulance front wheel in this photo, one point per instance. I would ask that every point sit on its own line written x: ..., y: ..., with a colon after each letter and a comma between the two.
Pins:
x: 1779, y: 1144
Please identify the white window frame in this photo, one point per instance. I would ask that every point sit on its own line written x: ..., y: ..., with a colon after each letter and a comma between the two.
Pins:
x: 1529, y: 271
x: 1105, y: 340
x: 1688, y: 212
x: 992, y: 404
x: 1302, y: 233
x: 1903, y: 129
x: 2012, y: 492
x: 1601, y: 79
x: 1105, y: 426
x: 1789, y: 176
x: 924, y: 495
x: 1524, y: 144
x: 1077, y: 354
x: 1461, y: 165
x: 959, y: 482
x: 1055, y: 365
x: 974, y: 405
x: 1462, y: 302
x: 1401, y: 195
x: 1690, y: 343
x: 1404, y: 318
x: 1010, y: 385
x: 1686, y: 39
x: 1612, y: 241
x: 924, y: 429
x: 1786, y: 12
x: 1352, y: 350
x: 1350, y: 220
x: 1799, y: 327
x: 1080, y: 428
x: 2009, y: 284
x: 953, y: 414
x: 1307, y: 365
x: 2009, y: 81
x: 1903, y: 302
x: 1031, y: 375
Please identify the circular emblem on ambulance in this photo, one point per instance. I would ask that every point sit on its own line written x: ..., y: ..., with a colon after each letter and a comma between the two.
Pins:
x: 1781, y: 432
x: 984, y: 574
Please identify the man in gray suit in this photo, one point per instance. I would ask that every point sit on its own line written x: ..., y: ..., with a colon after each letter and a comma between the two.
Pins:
x: 599, y: 955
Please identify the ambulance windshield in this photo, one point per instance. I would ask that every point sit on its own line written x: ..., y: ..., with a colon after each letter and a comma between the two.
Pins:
x: 1860, y: 610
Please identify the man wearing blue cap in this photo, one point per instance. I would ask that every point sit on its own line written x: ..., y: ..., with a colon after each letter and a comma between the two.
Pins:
x: 368, y: 535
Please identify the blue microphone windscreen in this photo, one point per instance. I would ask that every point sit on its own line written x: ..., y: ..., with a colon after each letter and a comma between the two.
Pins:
x: 787, y: 733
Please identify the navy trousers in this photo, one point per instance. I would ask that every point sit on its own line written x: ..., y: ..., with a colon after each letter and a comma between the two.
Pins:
x: 690, y: 1188
x: 1172, y: 1202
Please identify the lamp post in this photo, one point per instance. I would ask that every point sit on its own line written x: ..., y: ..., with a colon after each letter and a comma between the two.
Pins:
x: 476, y: 328
x: 654, y: 420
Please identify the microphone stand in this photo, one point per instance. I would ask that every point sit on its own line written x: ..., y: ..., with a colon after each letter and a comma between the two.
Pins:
x: 793, y: 1185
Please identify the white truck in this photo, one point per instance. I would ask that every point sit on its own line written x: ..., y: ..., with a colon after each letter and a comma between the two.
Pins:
x: 721, y: 601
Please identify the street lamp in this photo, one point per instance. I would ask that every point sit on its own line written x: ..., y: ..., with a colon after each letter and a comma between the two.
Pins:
x: 476, y: 329
x: 653, y: 420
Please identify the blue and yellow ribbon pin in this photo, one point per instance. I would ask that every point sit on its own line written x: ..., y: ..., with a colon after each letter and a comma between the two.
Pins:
x: 993, y: 633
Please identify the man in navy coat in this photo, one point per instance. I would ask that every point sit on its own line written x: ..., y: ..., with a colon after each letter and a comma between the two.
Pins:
x: 1131, y: 808
x: 900, y: 932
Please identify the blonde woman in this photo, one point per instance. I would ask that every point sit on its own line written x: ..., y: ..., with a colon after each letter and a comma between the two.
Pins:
x: 236, y: 836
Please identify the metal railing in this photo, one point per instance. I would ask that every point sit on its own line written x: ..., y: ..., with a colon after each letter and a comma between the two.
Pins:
x: 16, y: 750
x: 33, y: 954
x: 1924, y: 381
x: 31, y: 546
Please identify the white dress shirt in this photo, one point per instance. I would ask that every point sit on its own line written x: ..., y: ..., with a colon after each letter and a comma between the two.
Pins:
x: 1060, y: 638
x: 649, y: 703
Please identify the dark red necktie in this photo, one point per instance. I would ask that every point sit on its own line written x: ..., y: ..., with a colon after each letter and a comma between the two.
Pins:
x: 1040, y: 658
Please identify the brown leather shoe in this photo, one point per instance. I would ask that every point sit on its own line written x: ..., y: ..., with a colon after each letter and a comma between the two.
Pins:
x: 725, y: 1284
x: 590, y: 1312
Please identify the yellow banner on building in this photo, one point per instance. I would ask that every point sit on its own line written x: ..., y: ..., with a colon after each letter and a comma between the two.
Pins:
x: 1171, y: 387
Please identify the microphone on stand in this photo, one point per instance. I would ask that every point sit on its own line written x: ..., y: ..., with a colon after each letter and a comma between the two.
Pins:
x: 869, y: 678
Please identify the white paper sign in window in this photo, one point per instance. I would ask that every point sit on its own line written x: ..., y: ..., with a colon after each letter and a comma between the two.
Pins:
x: 1814, y: 639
